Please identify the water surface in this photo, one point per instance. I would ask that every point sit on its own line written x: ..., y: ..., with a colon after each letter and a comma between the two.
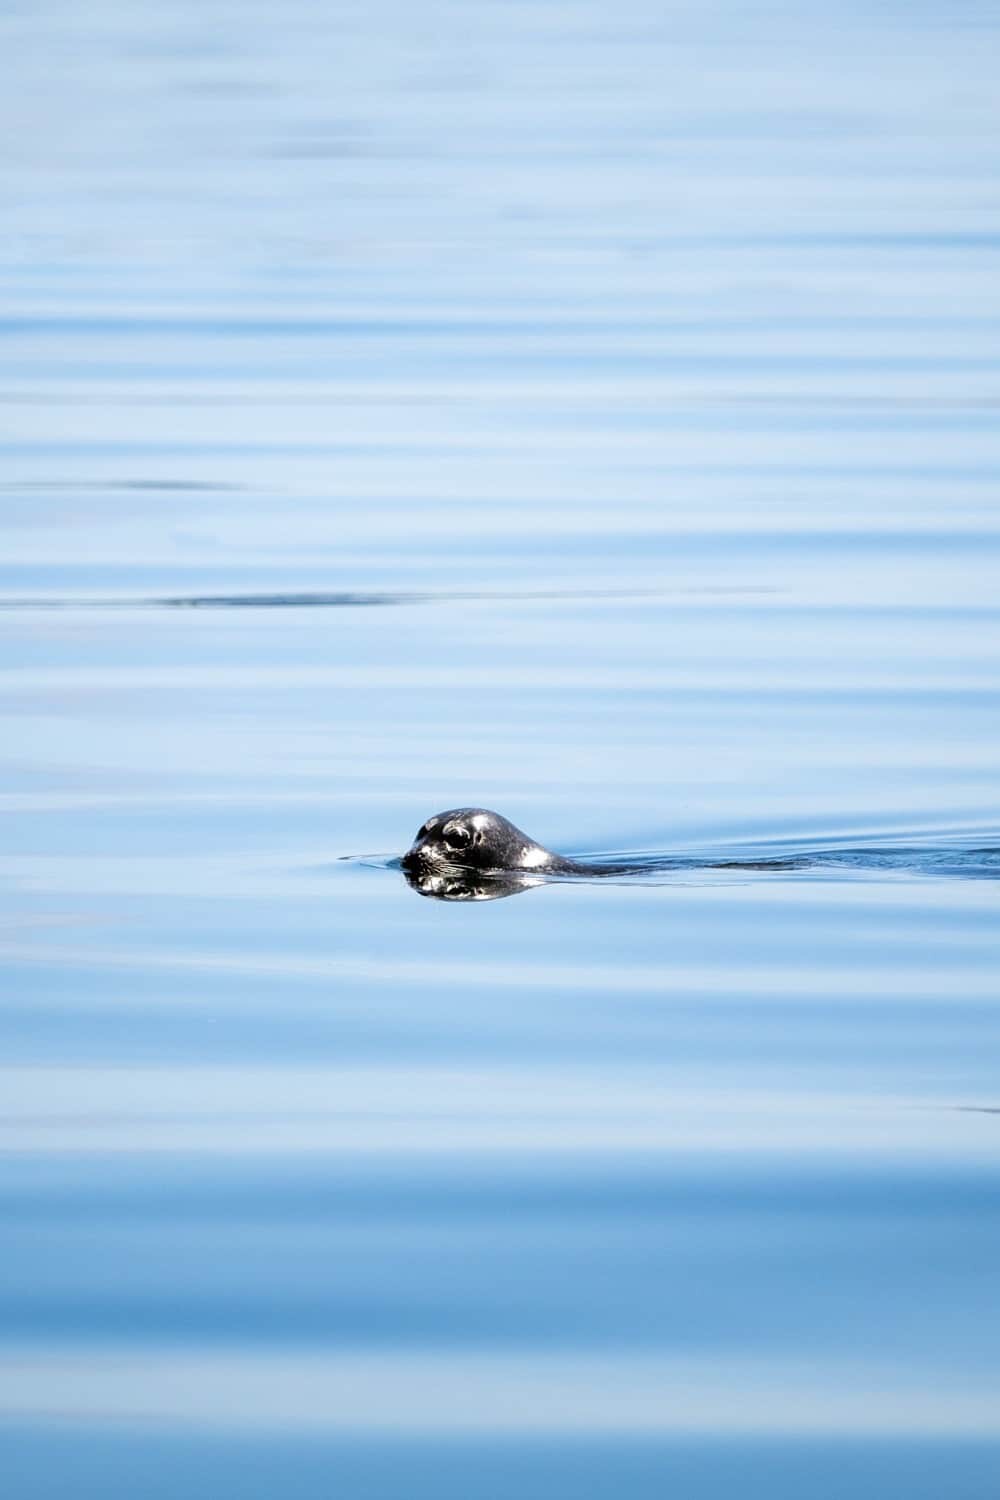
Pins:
x: 586, y: 413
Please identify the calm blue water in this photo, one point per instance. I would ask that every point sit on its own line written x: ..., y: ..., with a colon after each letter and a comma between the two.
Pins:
x: 589, y: 412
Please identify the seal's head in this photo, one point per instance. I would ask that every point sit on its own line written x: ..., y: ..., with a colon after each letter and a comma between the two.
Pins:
x: 472, y: 838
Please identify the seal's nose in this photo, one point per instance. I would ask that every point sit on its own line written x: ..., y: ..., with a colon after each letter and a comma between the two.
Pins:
x: 413, y: 859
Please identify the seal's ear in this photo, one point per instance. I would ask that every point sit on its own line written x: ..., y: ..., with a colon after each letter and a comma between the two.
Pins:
x: 479, y: 836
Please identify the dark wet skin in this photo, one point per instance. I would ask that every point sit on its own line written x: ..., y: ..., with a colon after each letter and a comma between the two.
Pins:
x: 474, y: 854
x: 477, y: 839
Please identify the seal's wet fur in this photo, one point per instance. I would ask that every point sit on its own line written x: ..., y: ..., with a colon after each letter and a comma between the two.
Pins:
x: 474, y: 838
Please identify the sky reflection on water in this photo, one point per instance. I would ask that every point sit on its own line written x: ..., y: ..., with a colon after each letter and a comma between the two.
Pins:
x: 589, y: 414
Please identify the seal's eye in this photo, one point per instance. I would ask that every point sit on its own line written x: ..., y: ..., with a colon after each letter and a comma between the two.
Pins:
x: 457, y: 837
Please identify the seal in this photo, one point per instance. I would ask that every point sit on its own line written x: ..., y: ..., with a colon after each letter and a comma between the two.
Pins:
x: 474, y: 854
x: 475, y: 839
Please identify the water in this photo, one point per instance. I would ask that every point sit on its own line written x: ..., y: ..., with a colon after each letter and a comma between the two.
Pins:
x: 586, y: 412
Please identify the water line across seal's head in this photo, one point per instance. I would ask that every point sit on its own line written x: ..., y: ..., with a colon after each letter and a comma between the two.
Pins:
x: 473, y: 838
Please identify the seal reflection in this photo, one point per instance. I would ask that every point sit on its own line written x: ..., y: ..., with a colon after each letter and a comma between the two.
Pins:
x: 457, y: 884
